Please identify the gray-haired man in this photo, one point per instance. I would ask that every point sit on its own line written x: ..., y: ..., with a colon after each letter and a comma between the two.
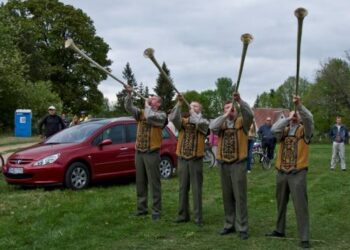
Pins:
x: 150, y: 122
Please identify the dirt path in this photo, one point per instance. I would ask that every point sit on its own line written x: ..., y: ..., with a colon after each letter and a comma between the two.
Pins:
x: 4, y: 150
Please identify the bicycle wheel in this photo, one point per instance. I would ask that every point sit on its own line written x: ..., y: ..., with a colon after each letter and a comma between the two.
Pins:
x: 209, y: 157
x: 256, y: 158
x: 2, y: 161
x: 266, y: 163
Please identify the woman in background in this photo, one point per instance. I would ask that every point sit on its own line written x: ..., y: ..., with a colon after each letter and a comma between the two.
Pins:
x: 75, y: 121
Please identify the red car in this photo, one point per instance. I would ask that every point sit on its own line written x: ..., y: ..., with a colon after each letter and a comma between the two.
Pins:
x: 85, y: 153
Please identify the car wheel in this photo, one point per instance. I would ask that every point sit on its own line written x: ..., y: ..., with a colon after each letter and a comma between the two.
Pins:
x: 77, y: 176
x: 165, y: 167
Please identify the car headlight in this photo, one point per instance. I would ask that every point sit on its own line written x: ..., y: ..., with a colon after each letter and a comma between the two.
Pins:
x: 47, y: 160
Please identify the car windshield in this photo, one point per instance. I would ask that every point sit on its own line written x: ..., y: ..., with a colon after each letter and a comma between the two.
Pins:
x: 76, y: 133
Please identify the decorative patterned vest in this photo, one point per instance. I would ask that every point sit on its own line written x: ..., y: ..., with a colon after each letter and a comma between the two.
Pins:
x: 190, y: 142
x: 148, y: 137
x: 233, y: 142
x: 293, y: 151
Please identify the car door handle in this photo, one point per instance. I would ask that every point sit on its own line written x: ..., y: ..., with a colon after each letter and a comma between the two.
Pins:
x: 122, y: 149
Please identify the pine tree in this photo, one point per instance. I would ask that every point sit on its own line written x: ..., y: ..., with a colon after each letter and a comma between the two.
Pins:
x: 146, y: 91
x: 165, y: 90
x: 129, y: 77
x: 140, y: 90
x: 257, y: 102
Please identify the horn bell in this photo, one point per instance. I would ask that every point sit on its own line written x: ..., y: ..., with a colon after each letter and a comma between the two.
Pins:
x: 68, y: 43
x: 247, y: 38
x: 148, y: 53
x: 300, y: 13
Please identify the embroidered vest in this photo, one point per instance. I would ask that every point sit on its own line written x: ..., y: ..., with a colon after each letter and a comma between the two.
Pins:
x: 233, y: 142
x: 148, y: 137
x: 190, y: 142
x: 293, y: 151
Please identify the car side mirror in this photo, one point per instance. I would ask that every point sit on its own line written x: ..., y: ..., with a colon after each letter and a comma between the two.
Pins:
x: 105, y: 143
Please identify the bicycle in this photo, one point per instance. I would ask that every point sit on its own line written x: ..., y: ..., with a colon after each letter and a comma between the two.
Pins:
x: 209, y: 156
x: 2, y: 161
x: 260, y: 155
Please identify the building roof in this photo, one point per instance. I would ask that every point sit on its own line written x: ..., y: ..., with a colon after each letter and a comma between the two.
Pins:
x: 260, y: 114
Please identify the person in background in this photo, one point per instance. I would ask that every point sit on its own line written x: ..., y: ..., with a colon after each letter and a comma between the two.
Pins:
x: 75, y: 121
x: 268, y: 140
x: 52, y: 122
x: 294, y: 134
x: 339, y: 135
x: 213, y: 140
x: 251, y: 140
x: 150, y: 123
x: 171, y: 125
x: 65, y: 120
x: 83, y: 116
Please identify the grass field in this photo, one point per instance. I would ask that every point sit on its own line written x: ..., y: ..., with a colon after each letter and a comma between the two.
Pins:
x: 12, y: 140
x: 101, y: 217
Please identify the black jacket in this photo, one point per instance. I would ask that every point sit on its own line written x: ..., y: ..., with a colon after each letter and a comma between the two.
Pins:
x: 52, y: 123
x: 264, y: 132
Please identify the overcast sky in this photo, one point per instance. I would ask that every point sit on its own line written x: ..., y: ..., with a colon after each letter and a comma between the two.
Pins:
x: 200, y: 39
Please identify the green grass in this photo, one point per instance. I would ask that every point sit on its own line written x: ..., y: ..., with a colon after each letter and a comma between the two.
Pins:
x: 12, y: 140
x: 101, y: 217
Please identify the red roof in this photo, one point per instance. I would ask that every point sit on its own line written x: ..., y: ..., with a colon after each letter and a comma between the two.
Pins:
x: 260, y: 114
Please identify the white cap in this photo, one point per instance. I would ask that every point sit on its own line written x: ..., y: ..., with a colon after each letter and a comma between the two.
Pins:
x: 52, y: 107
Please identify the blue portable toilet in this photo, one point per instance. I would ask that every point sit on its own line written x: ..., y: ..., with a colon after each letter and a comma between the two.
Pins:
x: 23, y: 123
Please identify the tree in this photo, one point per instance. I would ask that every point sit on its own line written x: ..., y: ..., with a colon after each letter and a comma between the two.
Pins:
x: 205, y: 98
x: 129, y: 78
x: 17, y: 92
x: 146, y: 91
x: 329, y: 96
x: 282, y: 97
x: 12, y: 72
x: 208, y: 100
x: 257, y: 102
x: 284, y: 93
x: 190, y: 96
x: 141, y: 89
x: 107, y: 110
x: 212, y: 100
x: 224, y: 90
x: 41, y: 28
x: 39, y: 96
x: 165, y: 90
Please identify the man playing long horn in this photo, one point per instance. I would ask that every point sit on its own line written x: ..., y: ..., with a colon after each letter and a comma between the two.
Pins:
x: 190, y: 151
x: 232, y: 128
x: 295, y: 134
x: 147, y: 157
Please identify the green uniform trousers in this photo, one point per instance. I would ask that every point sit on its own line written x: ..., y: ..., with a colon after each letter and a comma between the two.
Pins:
x: 148, y: 173
x: 190, y: 173
x: 234, y: 193
x: 294, y: 184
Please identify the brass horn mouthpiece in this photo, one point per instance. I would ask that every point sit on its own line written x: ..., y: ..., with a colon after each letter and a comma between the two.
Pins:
x: 148, y: 53
x: 68, y: 43
x: 246, y: 38
x: 300, y: 13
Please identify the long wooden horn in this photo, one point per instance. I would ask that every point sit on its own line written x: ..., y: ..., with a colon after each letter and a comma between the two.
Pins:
x: 246, y: 39
x: 149, y: 53
x: 300, y: 13
x: 70, y: 44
